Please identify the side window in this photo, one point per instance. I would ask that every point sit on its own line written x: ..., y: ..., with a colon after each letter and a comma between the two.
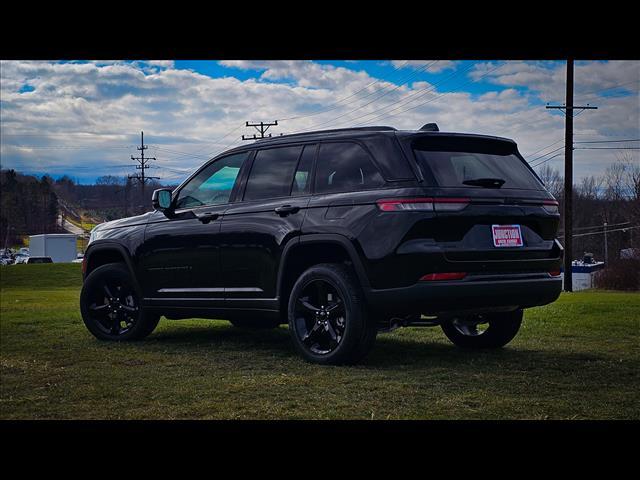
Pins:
x: 301, y: 179
x: 272, y: 173
x: 343, y: 167
x: 213, y: 185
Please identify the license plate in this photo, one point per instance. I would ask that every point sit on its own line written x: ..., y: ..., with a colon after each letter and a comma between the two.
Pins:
x: 506, y: 235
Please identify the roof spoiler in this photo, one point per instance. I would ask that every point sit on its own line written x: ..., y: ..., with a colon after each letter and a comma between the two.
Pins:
x: 430, y: 127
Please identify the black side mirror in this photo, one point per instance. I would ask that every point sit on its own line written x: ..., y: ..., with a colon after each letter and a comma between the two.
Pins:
x: 161, y: 200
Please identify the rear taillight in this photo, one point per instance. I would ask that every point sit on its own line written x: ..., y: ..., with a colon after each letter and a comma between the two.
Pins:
x: 424, y: 204
x: 434, y: 277
x: 555, y: 273
x: 550, y: 206
x: 450, y: 204
x: 405, y: 204
x: 84, y: 265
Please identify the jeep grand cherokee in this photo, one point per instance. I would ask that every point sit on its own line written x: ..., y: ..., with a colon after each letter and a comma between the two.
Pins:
x: 340, y: 234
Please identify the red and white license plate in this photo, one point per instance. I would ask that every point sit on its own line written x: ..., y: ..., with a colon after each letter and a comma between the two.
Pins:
x: 506, y: 235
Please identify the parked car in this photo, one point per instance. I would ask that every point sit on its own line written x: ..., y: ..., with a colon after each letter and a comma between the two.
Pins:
x: 340, y: 234
x: 20, y: 258
x: 32, y: 260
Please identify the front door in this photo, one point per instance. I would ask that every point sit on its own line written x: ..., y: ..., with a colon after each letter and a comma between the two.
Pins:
x: 180, y: 256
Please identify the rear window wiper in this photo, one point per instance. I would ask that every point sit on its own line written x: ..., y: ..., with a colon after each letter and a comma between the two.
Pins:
x: 485, y: 182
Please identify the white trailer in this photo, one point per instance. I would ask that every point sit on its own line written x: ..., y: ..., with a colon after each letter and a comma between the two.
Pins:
x: 61, y: 247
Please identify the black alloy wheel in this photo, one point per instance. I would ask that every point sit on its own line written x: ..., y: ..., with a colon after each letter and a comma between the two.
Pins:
x: 328, y: 319
x: 110, y: 305
x: 320, y: 317
x: 114, y: 309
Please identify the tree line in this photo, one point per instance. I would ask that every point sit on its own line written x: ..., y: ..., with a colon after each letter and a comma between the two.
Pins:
x: 612, y: 198
x: 31, y: 205
x: 28, y: 206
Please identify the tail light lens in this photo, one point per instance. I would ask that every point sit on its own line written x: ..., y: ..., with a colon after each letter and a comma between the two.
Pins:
x: 555, y: 273
x: 424, y: 204
x: 405, y: 204
x: 434, y: 277
x: 550, y: 206
x: 450, y: 204
x: 84, y: 264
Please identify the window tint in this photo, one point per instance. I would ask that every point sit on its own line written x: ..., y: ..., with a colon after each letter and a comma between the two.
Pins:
x: 213, y: 185
x: 453, y: 169
x: 303, y: 172
x: 343, y: 167
x: 272, y: 173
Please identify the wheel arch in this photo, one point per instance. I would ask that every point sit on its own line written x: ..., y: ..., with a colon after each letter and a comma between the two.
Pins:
x: 103, y: 252
x: 303, y: 252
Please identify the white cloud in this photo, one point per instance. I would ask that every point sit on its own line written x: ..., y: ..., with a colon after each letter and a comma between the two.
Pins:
x: 87, y: 116
x: 435, y: 66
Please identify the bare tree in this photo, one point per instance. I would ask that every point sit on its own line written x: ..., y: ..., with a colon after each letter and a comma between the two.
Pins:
x: 590, y: 187
x: 552, y: 180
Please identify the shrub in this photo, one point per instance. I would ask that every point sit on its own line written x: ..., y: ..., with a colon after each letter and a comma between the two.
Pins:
x: 620, y: 275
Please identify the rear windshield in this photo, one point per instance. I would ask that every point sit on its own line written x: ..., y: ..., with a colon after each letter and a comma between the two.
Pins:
x: 466, y: 162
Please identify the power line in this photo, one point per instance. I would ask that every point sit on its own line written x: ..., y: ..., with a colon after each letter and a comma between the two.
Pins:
x: 624, y: 229
x: 611, y: 141
x: 607, y: 148
x: 337, y: 102
x: 410, y: 98
x: 546, y: 160
x: 544, y: 155
x: 389, y: 90
x: 589, y: 94
x: 388, y: 113
x: 543, y: 148
x: 600, y: 226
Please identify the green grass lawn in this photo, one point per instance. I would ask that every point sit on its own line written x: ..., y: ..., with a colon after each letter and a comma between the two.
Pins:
x: 575, y: 359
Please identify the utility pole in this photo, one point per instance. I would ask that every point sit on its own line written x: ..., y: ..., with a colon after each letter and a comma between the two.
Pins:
x: 142, y: 165
x: 262, y: 127
x: 568, y: 109
x: 606, y: 247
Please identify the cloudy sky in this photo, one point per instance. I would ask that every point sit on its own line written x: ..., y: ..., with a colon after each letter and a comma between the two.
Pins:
x: 84, y: 119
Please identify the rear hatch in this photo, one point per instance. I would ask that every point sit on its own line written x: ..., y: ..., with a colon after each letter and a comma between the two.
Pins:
x: 492, y: 211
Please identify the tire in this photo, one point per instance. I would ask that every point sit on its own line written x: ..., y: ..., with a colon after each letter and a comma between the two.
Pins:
x: 257, y: 323
x: 117, y: 318
x: 502, y: 328
x: 344, y: 333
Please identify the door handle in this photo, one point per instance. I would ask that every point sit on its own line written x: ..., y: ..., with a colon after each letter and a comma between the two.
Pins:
x: 285, y: 210
x: 207, y: 217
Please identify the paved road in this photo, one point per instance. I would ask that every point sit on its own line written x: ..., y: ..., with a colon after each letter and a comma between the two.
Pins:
x: 70, y: 227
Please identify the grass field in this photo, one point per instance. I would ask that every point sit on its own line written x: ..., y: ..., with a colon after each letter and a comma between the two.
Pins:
x: 575, y: 359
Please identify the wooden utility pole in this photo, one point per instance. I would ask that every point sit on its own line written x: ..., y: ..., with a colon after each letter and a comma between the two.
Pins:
x: 262, y: 127
x: 568, y: 109
x: 141, y: 178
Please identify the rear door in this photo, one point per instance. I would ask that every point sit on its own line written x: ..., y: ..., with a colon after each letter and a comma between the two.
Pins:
x: 347, y: 183
x: 255, y: 230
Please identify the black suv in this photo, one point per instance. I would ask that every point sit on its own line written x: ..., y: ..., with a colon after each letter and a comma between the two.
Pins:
x: 340, y: 234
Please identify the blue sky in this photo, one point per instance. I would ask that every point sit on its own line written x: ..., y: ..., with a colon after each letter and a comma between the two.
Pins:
x: 84, y: 118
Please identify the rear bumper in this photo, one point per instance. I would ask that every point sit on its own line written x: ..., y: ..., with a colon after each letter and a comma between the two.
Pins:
x: 467, y: 295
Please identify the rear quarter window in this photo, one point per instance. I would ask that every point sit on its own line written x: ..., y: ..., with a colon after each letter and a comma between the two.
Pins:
x: 345, y: 167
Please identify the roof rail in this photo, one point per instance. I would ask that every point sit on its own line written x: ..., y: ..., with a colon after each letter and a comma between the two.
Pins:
x: 335, y: 130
